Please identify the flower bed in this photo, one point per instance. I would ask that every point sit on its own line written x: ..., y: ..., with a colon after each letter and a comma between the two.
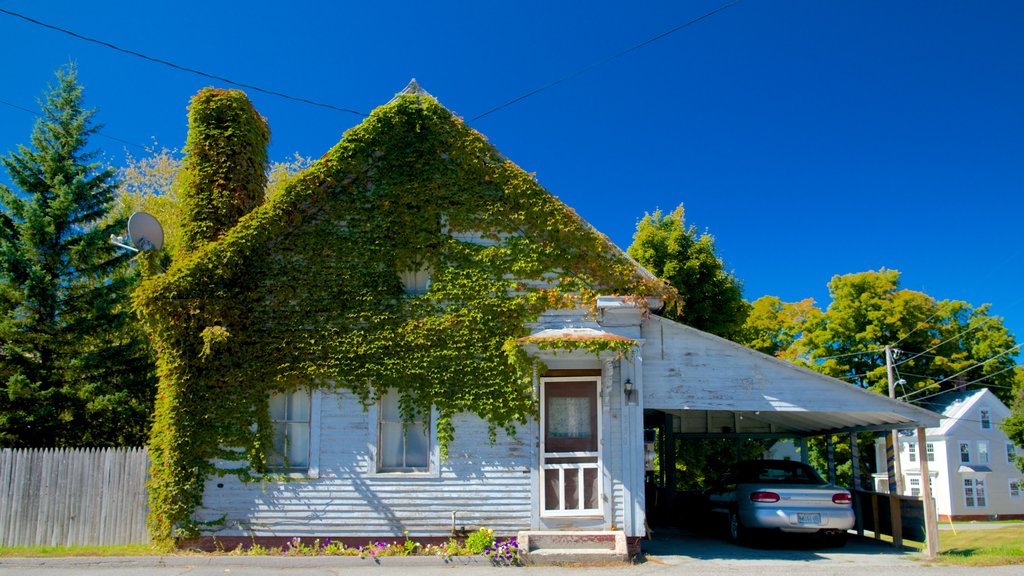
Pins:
x: 503, y: 552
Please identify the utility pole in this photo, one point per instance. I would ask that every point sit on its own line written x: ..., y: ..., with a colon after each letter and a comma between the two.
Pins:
x: 893, y: 439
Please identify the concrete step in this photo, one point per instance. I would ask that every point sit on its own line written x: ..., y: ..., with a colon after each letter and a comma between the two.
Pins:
x: 555, y: 547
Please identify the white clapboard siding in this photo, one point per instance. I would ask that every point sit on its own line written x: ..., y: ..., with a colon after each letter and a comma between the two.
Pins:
x: 69, y: 497
x: 484, y: 484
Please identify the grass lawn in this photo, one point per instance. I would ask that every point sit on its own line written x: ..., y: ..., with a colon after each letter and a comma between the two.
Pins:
x: 995, y: 547
x: 65, y: 551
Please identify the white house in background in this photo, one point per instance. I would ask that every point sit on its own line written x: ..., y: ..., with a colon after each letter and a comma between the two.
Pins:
x: 970, y: 459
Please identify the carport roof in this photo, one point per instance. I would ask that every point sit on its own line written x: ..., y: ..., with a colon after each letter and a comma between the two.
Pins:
x: 720, y: 388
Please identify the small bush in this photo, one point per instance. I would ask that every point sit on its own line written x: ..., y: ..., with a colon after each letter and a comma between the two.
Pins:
x: 480, y: 540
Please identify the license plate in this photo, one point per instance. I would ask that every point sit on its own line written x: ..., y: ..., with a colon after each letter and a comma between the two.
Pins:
x: 808, y: 518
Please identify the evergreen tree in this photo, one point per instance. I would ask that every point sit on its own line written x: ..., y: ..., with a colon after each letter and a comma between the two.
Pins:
x: 74, y: 367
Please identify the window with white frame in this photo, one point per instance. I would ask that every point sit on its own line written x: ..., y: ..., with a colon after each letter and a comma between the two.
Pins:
x: 416, y: 281
x: 930, y: 450
x: 289, y: 419
x: 974, y: 492
x: 965, y: 452
x: 1015, y: 488
x: 986, y: 419
x: 401, y: 446
x: 912, y: 451
x: 982, y: 452
x: 915, y: 486
x: 1011, y: 453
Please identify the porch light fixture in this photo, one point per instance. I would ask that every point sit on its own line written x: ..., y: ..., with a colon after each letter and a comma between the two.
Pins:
x: 627, y: 387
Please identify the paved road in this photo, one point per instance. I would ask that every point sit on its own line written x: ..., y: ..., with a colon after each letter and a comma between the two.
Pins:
x: 666, y: 556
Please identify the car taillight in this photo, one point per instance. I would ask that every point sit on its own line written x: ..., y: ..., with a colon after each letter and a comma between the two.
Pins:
x: 764, y: 497
x: 842, y: 498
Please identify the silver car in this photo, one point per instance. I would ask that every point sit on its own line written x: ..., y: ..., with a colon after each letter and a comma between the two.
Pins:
x: 782, y: 495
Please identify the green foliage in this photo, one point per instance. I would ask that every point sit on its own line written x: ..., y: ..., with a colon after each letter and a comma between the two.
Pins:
x: 306, y: 291
x: 1013, y: 425
x: 942, y: 344
x: 149, y: 184
x: 701, y: 462
x: 75, y: 370
x: 774, y: 326
x: 224, y: 174
x: 480, y: 540
x: 711, y: 299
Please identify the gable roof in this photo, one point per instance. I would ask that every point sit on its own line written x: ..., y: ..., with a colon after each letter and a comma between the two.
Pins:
x: 955, y: 405
x: 383, y: 133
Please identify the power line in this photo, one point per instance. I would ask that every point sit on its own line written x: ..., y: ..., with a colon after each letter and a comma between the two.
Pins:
x: 589, y: 67
x: 179, y: 67
x: 115, y: 138
x: 850, y: 354
x: 982, y: 363
x: 966, y: 384
x: 975, y: 327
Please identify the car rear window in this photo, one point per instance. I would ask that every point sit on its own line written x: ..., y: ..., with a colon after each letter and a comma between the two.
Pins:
x: 784, y: 472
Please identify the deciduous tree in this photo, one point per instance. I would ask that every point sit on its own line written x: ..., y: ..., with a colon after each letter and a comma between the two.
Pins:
x: 711, y: 297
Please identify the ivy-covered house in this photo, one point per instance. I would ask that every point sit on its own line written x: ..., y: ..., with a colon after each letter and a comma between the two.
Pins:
x: 415, y: 337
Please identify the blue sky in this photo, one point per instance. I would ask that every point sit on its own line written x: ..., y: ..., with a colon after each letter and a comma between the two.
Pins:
x: 811, y: 138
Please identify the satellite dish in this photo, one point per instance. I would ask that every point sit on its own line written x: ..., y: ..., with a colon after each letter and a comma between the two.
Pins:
x: 145, y: 232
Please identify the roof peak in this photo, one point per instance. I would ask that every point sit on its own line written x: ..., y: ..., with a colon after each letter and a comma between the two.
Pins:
x: 414, y: 89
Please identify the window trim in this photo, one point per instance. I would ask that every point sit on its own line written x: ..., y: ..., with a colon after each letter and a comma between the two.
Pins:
x: 985, y: 418
x: 372, y: 466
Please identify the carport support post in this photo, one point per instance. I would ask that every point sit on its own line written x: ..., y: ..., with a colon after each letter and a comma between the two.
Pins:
x: 855, y: 487
x: 931, y: 521
x: 831, y: 450
x: 669, y: 456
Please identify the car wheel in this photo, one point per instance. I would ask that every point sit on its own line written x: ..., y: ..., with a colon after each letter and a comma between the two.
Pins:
x: 737, y: 532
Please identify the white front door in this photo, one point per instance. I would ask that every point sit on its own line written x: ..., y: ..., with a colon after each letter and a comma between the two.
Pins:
x: 570, y: 436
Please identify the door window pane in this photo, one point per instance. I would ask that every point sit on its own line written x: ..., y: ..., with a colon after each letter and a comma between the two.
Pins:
x: 570, y: 417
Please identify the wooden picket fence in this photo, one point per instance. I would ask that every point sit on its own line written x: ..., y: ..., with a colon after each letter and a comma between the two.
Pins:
x: 73, y: 497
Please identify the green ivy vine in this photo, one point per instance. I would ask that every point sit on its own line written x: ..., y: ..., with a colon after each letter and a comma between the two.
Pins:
x: 305, y: 290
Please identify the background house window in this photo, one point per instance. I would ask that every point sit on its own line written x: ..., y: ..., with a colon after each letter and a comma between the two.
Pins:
x: 1015, y: 488
x: 930, y: 450
x: 401, y: 446
x: 915, y: 486
x: 912, y: 451
x: 974, y: 492
x: 986, y: 419
x: 982, y: 452
x: 965, y: 452
x: 1011, y: 453
x: 289, y: 416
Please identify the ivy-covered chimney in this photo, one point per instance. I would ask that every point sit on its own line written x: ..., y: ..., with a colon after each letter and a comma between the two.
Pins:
x: 224, y: 173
